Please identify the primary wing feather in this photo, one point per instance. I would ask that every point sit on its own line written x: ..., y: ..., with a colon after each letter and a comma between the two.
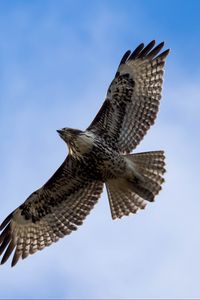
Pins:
x: 50, y: 213
x: 133, y: 98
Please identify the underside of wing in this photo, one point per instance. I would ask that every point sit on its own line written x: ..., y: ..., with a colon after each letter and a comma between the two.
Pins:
x: 133, y: 98
x: 50, y: 213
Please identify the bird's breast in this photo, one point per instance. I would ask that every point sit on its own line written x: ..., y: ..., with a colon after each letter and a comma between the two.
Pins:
x: 85, y: 142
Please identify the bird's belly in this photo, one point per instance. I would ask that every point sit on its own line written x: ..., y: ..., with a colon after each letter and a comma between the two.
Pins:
x: 113, y: 168
x: 104, y: 163
x: 111, y: 165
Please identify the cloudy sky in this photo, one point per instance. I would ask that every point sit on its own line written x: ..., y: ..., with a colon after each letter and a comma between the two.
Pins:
x: 57, y: 59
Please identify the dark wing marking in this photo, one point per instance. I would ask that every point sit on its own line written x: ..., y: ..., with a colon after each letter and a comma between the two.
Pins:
x: 50, y: 213
x: 133, y: 98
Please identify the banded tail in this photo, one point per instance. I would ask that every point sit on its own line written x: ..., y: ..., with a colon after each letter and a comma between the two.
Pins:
x: 127, y: 196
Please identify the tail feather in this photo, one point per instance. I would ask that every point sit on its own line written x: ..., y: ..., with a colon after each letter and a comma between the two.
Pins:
x: 127, y: 196
x: 121, y: 203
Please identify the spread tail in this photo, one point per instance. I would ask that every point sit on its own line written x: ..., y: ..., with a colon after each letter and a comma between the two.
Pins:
x: 127, y: 196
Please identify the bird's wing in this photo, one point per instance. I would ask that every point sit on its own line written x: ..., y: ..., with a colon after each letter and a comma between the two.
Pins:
x: 50, y: 213
x: 133, y: 98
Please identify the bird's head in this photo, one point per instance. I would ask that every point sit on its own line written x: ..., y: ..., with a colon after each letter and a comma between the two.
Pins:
x: 70, y: 136
x: 78, y: 141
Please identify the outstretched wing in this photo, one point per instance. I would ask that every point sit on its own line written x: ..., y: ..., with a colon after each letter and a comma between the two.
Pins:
x: 50, y: 213
x: 133, y: 98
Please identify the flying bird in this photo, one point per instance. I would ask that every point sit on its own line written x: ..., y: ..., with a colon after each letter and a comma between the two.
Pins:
x: 99, y: 155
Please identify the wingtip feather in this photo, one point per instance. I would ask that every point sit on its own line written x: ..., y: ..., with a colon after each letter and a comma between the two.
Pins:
x: 136, y: 52
x: 147, y: 49
x: 5, y: 222
x: 125, y: 57
x: 163, y: 54
x: 16, y: 257
x: 8, y: 252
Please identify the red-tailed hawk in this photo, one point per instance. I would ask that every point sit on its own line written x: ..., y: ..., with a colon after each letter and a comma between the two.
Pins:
x: 98, y: 155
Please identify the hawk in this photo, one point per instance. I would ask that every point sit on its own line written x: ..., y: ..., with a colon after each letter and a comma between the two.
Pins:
x: 99, y: 155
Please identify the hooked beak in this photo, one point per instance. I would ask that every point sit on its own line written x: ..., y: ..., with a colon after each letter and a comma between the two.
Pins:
x: 60, y: 132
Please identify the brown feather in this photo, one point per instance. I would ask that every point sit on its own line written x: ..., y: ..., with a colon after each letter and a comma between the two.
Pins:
x: 70, y: 194
x: 146, y: 50
x: 133, y: 99
x: 136, y: 52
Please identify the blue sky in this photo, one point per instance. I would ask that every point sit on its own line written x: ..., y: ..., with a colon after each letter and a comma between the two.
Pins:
x: 57, y: 60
